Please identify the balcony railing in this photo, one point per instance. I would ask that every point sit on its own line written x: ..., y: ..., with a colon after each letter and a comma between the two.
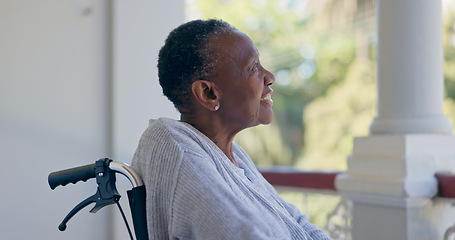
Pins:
x: 308, y: 190
x: 314, y: 193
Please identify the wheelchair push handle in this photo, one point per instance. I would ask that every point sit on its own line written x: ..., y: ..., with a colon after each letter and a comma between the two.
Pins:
x: 72, y: 175
x: 104, y: 171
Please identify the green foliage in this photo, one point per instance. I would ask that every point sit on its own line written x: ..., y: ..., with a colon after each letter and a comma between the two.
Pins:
x: 334, y: 119
x: 265, y: 145
x: 449, y: 50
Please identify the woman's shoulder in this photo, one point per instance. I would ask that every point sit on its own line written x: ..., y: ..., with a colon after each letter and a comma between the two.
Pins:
x: 182, y: 134
x: 164, y: 145
x: 166, y: 129
x: 165, y: 133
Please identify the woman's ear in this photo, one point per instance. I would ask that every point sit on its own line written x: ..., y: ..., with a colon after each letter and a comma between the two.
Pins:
x: 205, y: 94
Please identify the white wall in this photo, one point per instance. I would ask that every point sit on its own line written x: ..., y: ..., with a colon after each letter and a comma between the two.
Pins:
x: 61, y: 101
x: 54, y: 110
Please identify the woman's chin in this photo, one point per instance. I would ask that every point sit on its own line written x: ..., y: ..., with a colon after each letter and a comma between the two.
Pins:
x: 266, y: 118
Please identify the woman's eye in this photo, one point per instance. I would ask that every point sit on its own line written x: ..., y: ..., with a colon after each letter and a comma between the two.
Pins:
x: 255, y: 66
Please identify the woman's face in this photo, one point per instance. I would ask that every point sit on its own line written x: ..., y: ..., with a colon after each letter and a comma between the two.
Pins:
x: 242, y: 82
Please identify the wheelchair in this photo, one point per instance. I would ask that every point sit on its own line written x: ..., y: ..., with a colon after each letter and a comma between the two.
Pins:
x: 104, y: 170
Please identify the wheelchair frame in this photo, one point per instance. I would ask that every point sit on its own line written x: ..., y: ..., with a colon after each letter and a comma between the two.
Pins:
x: 104, y: 171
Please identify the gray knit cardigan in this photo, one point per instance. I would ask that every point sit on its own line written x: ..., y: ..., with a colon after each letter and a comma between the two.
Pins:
x: 195, y: 192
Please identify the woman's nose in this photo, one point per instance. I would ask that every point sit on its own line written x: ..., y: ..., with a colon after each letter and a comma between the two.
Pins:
x: 269, y: 78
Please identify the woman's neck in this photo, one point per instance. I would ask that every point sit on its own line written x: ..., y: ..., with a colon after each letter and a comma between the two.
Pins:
x: 216, y: 131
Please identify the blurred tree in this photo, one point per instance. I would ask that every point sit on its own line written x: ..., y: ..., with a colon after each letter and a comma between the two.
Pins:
x: 449, y: 58
x: 449, y: 48
x: 334, y: 119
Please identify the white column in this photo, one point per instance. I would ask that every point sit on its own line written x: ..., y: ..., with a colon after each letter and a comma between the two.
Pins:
x: 390, y: 175
x: 139, y: 29
x: 410, y: 63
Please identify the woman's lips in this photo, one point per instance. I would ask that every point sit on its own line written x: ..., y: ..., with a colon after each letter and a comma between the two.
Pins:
x: 267, y: 99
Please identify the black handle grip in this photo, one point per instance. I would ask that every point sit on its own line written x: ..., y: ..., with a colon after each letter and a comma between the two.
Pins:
x: 72, y: 175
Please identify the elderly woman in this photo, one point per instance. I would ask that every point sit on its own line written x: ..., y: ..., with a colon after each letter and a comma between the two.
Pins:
x: 200, y: 184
